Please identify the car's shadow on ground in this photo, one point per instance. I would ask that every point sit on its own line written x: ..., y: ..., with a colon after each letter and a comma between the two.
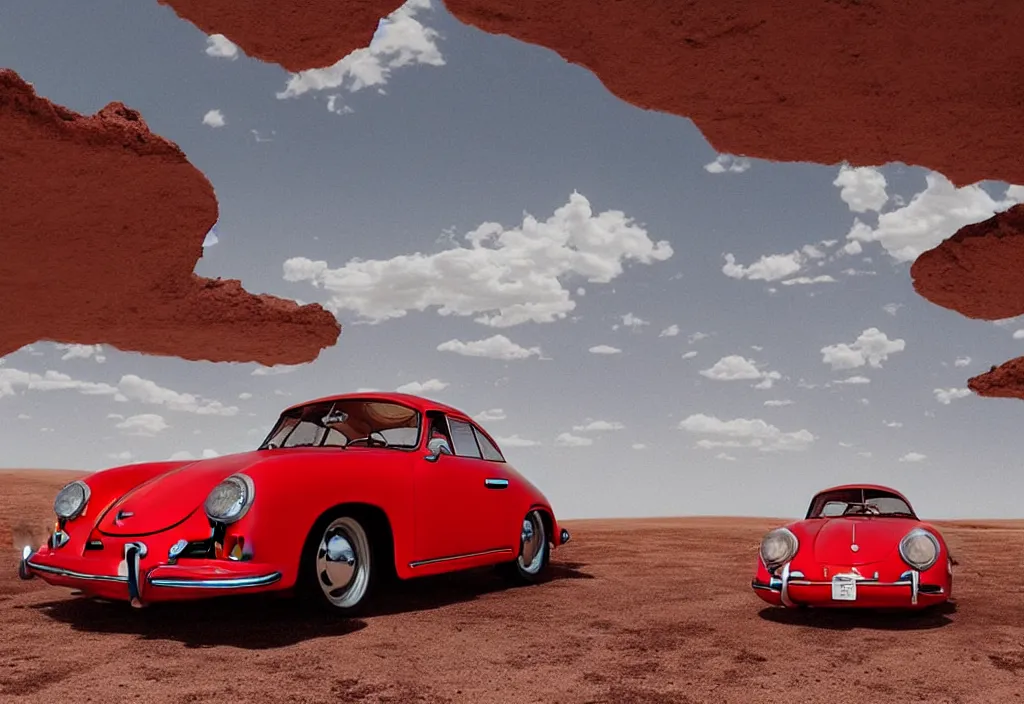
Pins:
x: 262, y: 622
x: 867, y: 619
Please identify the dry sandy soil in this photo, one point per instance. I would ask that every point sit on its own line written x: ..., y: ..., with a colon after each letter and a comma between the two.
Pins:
x: 644, y: 611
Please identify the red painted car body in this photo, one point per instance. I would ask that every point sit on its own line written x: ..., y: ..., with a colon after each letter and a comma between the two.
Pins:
x: 851, y: 555
x: 443, y: 513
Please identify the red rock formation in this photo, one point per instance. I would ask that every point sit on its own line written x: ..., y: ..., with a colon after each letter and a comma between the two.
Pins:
x: 979, y: 271
x: 296, y: 35
x: 788, y: 80
x: 101, y: 226
x: 1005, y: 381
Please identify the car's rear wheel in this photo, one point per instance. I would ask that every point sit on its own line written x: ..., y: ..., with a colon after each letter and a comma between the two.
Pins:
x: 532, y: 563
x: 340, y: 567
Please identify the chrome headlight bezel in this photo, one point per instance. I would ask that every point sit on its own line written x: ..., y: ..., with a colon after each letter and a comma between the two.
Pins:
x: 792, y: 546
x: 76, y: 486
x: 246, y: 490
x: 920, y: 533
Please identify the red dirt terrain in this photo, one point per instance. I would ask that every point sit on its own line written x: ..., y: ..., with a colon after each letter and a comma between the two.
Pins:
x: 103, y: 223
x: 653, y: 611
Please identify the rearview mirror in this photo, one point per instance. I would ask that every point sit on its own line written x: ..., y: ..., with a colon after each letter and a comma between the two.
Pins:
x: 437, y: 447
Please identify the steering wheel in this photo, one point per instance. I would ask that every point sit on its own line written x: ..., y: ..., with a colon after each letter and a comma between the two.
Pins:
x: 862, y: 509
x: 371, y: 441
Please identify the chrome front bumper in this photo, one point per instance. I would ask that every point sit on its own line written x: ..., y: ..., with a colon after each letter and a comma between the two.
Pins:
x: 133, y: 551
x: 788, y: 578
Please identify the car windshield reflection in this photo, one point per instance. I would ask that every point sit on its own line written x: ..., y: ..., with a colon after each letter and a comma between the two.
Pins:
x: 345, y: 424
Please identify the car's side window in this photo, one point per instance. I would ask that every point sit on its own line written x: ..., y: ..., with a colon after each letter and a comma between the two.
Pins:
x: 464, y: 439
x: 487, y: 447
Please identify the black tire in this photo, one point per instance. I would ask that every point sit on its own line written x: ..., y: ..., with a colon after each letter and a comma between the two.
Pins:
x: 356, y: 561
x: 531, y: 566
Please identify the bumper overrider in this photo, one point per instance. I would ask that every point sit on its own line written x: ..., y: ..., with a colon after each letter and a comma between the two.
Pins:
x: 791, y: 588
x: 135, y: 579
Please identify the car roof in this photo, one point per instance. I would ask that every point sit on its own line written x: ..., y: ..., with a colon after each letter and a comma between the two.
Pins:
x: 418, y: 402
x: 873, y: 487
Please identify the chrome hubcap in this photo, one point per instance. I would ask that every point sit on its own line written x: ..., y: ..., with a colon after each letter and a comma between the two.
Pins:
x: 531, y: 553
x: 343, y: 561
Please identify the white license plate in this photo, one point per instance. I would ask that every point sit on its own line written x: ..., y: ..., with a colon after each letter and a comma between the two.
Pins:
x: 844, y: 589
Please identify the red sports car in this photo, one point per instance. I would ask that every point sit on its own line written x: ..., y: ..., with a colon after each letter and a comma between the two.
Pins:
x: 344, y: 491
x: 861, y: 545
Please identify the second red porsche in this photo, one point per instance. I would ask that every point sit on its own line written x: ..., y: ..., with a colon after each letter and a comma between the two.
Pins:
x: 860, y: 545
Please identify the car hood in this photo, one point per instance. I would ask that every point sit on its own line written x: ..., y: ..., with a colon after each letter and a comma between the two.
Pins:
x: 876, y: 539
x: 170, y: 498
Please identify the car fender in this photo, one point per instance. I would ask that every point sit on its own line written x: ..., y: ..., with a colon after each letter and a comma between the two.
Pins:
x: 293, y: 493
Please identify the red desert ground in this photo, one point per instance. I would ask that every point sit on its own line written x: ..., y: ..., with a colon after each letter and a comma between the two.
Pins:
x: 638, y: 611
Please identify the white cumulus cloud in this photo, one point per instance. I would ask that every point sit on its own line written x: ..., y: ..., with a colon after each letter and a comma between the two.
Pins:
x: 490, y: 415
x: 569, y: 440
x: 277, y: 369
x: 930, y: 217
x: 727, y: 163
x: 771, y: 267
x: 913, y: 457
x: 670, y: 331
x: 735, y: 367
x: 417, y: 388
x: 214, y: 118
x: 871, y: 347
x: 947, y: 396
x: 744, y: 432
x: 862, y: 188
x: 598, y: 426
x: 494, y: 347
x: 219, y: 46
x: 145, y: 424
x: 82, y: 352
x: 604, y: 349
x: 505, y: 277
x: 401, y: 40
x: 516, y: 441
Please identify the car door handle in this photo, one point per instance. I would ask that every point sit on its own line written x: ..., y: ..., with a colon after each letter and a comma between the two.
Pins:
x: 496, y: 483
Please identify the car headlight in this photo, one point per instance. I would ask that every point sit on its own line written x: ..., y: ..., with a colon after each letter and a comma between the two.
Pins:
x: 230, y: 499
x: 71, y: 500
x: 919, y: 549
x: 777, y: 547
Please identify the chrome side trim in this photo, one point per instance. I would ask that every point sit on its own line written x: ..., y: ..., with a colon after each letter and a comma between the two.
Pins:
x: 496, y: 483
x: 75, y: 575
x: 421, y: 563
x: 229, y: 583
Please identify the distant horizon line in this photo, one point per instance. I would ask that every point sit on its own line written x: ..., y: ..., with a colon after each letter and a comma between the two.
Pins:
x: 678, y: 517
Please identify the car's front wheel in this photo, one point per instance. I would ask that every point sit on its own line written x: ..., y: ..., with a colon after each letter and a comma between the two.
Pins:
x: 339, y: 570
x: 531, y: 566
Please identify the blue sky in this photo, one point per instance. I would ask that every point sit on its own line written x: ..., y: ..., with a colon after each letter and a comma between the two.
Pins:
x: 362, y: 201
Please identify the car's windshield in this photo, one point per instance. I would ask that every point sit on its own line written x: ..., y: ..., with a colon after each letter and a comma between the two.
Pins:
x: 859, y: 502
x: 347, y: 423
